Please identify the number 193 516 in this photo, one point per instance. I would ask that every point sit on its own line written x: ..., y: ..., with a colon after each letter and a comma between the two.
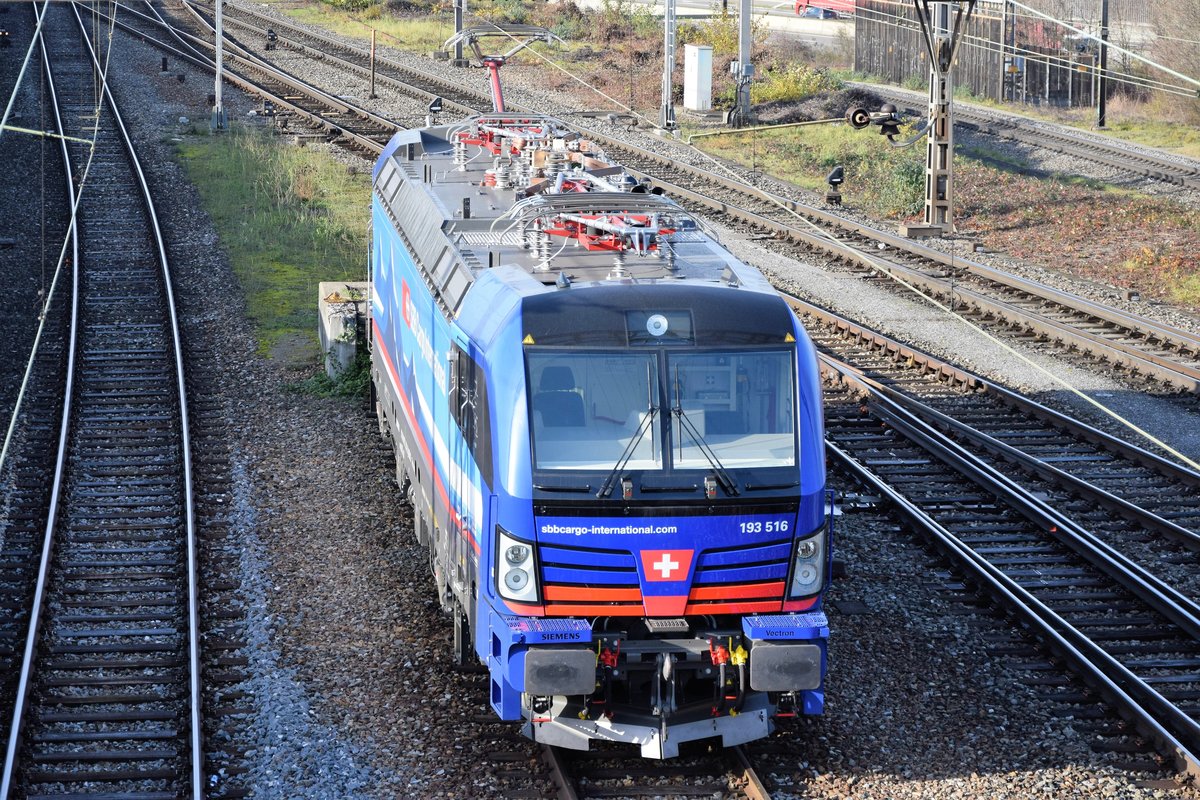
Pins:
x: 770, y: 526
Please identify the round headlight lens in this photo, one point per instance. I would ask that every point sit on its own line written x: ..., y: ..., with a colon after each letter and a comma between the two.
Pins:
x: 806, y: 549
x: 516, y: 554
x: 806, y: 574
x: 516, y: 579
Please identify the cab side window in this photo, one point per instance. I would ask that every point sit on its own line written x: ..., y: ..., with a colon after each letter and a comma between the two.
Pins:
x: 469, y: 408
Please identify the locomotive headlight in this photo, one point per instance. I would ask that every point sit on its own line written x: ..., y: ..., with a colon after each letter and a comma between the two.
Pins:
x: 808, y: 567
x: 516, y: 579
x: 516, y: 568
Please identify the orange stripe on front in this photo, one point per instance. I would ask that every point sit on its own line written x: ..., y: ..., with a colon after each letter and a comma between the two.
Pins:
x: 773, y: 590
x: 771, y: 606
x: 618, y: 610
x: 585, y: 594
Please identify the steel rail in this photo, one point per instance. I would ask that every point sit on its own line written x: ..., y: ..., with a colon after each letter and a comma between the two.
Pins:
x: 1139, y: 361
x: 254, y: 64
x: 1119, y: 505
x: 1138, y: 701
x: 560, y: 776
x: 902, y: 352
x: 195, y: 736
x: 1165, y: 599
x: 747, y: 781
x: 327, y: 55
x: 1157, y: 717
x: 751, y: 785
x: 906, y: 352
x: 1168, y: 738
x: 1128, y: 356
x: 24, y: 685
x: 233, y: 50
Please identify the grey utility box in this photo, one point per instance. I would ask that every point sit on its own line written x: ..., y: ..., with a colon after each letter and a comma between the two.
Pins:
x: 697, y: 77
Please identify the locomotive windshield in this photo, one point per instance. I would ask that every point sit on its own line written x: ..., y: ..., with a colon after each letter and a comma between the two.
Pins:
x: 592, y: 410
x: 737, y: 404
x: 588, y: 409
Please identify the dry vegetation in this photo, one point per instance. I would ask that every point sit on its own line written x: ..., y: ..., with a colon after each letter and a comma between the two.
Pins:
x: 1123, y: 238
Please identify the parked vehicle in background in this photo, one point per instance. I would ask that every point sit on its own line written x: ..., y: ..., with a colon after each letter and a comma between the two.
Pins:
x: 825, y: 9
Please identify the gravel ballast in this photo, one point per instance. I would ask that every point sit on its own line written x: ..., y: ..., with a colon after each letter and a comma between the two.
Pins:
x: 351, y: 695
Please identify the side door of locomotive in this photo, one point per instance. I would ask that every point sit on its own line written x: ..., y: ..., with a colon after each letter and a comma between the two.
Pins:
x: 469, y: 446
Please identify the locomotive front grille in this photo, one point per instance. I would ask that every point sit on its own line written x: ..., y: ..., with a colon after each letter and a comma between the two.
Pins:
x: 591, y: 582
x: 740, y: 580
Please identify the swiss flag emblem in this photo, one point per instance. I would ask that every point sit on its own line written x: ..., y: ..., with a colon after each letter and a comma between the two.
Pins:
x: 666, y: 565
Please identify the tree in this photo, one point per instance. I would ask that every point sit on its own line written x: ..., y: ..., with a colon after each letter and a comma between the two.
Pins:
x: 1177, y: 23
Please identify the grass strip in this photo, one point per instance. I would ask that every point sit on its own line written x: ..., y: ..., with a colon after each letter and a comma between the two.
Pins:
x: 289, y: 217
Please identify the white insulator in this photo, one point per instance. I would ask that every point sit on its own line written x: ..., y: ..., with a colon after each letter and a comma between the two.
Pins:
x: 460, y: 153
x: 618, y: 269
x: 503, y: 175
x: 666, y: 252
x: 544, y: 250
x: 524, y: 229
x: 555, y: 161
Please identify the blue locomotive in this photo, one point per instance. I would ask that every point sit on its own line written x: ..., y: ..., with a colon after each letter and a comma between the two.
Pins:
x: 610, y: 430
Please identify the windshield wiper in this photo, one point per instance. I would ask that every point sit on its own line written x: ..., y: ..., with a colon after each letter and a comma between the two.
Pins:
x: 718, y: 469
x: 647, y: 422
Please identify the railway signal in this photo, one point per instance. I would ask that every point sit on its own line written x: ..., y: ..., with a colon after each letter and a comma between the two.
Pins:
x: 942, y: 40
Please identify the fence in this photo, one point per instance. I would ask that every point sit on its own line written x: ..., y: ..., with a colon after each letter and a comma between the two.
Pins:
x: 1004, y: 55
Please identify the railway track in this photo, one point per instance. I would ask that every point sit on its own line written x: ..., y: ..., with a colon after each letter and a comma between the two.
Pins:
x: 1126, y: 632
x: 1059, y: 139
x: 28, y: 471
x: 1080, y: 574
x: 724, y: 774
x: 107, y: 701
x: 1088, y: 464
x: 1084, y: 330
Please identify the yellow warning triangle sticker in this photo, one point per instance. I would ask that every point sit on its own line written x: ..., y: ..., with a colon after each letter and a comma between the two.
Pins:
x: 528, y: 339
x: 789, y: 338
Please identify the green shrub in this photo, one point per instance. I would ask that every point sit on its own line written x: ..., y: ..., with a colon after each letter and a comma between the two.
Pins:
x: 353, y: 381
x: 721, y: 32
x: 902, y: 192
x: 645, y: 24
x: 566, y: 20
x: 795, y: 82
x: 514, y: 11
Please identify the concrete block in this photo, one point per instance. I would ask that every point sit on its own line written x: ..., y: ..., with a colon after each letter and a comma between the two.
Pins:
x: 341, y: 321
x: 921, y: 231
